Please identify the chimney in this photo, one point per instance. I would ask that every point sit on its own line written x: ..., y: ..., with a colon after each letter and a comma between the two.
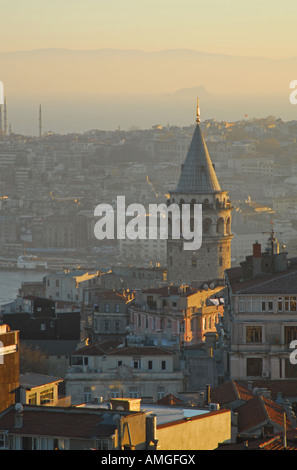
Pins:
x: 257, y: 250
x: 250, y: 385
x: 207, y: 394
x: 151, y: 430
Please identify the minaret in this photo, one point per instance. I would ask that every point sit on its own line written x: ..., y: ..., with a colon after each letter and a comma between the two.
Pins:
x: 1, y: 119
x: 198, y: 184
x: 40, y: 121
x: 5, y: 116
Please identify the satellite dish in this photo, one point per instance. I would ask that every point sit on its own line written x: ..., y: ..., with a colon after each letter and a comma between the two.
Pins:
x: 19, y: 408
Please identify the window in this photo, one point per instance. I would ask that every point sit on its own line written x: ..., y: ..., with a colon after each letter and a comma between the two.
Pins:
x: 136, y: 363
x: 87, y: 394
x: 115, y: 393
x: 96, y: 325
x: 150, y: 365
x: 182, y: 327
x: 117, y: 308
x: 154, y: 323
x: 3, y: 443
x: 290, y: 304
x: 26, y: 443
x: 106, y: 308
x: 254, y: 334
x: 254, y: 367
x: 47, y: 396
x: 133, y: 392
x: 290, y: 369
x: 117, y: 326
x: 106, y: 325
x: 43, y: 443
x: 163, y: 365
x: 290, y: 334
x: 160, y: 392
x: 32, y: 399
x: 102, y: 444
x: 79, y: 361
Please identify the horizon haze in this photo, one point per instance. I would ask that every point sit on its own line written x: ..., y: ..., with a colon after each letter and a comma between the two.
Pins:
x: 108, y: 88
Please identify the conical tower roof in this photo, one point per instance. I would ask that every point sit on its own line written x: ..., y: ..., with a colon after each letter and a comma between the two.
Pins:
x: 198, y: 174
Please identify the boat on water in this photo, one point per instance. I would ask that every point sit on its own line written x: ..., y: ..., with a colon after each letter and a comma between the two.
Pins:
x: 31, y: 262
x: 6, y: 263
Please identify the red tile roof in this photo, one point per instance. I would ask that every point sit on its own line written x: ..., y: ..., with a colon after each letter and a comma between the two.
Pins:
x: 229, y: 392
x: 140, y: 351
x: 116, y: 348
x: 259, y: 411
x: 277, y: 443
x: 287, y: 388
x: 97, y: 349
x: 62, y: 423
x: 170, y: 400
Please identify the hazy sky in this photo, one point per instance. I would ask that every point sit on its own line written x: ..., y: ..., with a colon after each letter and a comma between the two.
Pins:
x: 249, y: 27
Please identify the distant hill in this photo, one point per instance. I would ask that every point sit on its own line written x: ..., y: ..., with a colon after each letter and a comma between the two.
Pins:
x: 56, y: 71
x: 106, y: 88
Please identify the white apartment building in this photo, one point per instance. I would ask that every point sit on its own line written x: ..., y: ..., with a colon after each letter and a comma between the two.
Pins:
x: 260, y: 318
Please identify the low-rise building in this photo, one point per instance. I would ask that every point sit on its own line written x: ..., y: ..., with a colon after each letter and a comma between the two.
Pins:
x: 110, y: 370
x: 70, y: 285
x: 121, y: 424
x: 40, y: 389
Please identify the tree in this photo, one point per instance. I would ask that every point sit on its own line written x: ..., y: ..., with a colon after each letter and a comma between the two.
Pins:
x: 32, y: 360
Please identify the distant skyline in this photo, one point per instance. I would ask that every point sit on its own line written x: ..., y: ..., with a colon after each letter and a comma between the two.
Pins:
x: 109, y: 63
x: 245, y: 28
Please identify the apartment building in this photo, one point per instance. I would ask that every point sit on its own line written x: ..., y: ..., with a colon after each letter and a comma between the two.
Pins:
x: 104, y: 370
x: 174, y: 316
x: 260, y: 320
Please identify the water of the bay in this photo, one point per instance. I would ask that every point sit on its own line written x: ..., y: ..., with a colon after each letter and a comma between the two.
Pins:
x: 11, y: 281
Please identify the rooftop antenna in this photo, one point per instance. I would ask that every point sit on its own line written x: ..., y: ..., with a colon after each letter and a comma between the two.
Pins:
x: 40, y: 121
x: 198, y: 112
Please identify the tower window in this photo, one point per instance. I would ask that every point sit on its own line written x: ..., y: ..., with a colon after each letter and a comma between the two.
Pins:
x: 220, y: 226
x: 206, y: 226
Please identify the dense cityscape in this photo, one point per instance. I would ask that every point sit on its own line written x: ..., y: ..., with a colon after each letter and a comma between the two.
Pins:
x: 148, y: 229
x: 140, y: 329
